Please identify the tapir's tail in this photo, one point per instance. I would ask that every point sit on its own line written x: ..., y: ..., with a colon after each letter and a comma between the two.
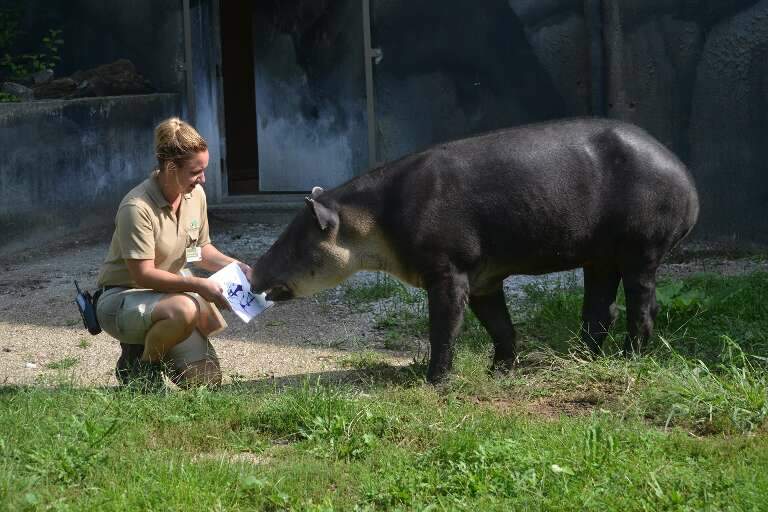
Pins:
x: 689, y: 220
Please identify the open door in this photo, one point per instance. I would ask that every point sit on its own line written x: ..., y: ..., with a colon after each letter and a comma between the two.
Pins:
x: 310, y: 93
x: 242, y: 150
x: 294, y: 85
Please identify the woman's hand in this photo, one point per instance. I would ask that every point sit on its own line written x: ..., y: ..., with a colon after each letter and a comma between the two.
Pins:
x: 247, y: 270
x: 213, y: 292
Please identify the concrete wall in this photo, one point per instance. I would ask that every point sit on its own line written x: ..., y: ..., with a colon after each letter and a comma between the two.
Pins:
x: 692, y: 72
x: 451, y: 69
x: 70, y: 162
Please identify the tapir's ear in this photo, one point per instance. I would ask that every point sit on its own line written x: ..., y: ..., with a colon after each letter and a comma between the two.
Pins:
x: 324, y: 215
x: 316, y: 191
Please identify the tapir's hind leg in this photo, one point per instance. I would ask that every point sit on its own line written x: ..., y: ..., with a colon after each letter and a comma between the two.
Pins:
x: 598, y: 313
x: 640, y: 290
x: 447, y: 295
x: 492, y: 312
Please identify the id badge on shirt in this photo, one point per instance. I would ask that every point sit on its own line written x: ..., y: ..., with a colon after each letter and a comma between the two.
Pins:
x: 194, y: 254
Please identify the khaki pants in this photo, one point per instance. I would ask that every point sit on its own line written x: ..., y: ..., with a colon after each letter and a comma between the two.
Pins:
x: 126, y: 315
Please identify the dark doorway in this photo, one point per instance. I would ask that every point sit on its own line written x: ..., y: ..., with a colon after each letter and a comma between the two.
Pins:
x: 242, y: 162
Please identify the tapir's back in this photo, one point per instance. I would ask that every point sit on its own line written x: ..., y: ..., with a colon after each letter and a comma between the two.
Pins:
x: 543, y: 196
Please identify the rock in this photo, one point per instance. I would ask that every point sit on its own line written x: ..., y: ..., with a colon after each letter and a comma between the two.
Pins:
x: 119, y: 78
x: 116, y: 79
x: 42, y: 77
x: 18, y: 90
x: 55, y: 89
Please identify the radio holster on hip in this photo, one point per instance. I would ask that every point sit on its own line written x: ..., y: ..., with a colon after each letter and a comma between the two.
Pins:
x: 86, y: 304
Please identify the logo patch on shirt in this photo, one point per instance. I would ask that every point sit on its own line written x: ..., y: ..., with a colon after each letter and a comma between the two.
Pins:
x: 194, y: 225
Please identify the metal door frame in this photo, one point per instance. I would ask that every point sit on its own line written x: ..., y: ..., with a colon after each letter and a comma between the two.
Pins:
x: 369, y: 54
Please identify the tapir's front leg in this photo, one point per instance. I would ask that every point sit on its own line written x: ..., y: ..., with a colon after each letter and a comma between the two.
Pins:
x: 447, y: 293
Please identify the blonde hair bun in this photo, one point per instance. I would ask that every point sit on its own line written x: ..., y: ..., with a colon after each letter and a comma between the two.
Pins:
x: 176, y: 141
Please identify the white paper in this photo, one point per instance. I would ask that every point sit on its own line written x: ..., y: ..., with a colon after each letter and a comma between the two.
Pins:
x: 237, y: 290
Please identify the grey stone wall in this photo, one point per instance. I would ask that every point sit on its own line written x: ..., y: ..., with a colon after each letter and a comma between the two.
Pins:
x: 70, y: 162
x: 452, y: 69
x: 695, y: 74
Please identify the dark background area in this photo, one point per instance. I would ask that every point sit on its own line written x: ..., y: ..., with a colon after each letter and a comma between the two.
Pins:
x: 694, y: 73
x: 147, y: 32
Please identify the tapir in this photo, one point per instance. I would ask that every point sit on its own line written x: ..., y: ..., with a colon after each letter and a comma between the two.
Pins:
x: 457, y: 218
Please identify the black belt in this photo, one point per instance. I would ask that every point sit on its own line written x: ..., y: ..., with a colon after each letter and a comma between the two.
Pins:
x: 101, y: 290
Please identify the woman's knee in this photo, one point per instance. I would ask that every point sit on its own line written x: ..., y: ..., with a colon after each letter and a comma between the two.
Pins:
x: 181, y: 309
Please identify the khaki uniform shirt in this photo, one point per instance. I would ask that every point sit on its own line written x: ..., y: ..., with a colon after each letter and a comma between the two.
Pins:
x: 147, y: 229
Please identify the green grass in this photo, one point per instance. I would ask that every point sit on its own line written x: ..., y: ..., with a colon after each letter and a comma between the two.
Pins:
x: 63, y: 364
x: 401, y: 315
x: 694, y: 314
x: 8, y: 98
x: 365, y: 360
x: 681, y: 428
x: 383, y: 287
x: 332, y: 448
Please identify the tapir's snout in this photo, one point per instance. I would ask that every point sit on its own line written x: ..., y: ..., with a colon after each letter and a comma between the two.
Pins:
x: 275, y: 291
x: 263, y: 281
x: 279, y: 292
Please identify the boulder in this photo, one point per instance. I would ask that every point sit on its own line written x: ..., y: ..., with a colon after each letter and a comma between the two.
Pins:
x: 18, y: 90
x: 119, y: 78
x: 55, y: 89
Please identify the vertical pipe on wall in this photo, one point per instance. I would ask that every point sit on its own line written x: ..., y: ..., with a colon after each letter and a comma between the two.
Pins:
x: 217, y: 80
x: 614, y: 59
x: 369, y: 54
x: 190, y: 90
x: 594, y: 16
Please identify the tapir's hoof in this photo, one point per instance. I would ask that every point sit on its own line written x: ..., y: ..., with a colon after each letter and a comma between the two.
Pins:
x: 437, y: 377
x: 630, y: 352
x: 503, y: 367
x: 593, y: 355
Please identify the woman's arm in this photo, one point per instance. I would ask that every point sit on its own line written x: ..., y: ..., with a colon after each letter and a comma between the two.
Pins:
x: 214, y: 260
x: 147, y: 276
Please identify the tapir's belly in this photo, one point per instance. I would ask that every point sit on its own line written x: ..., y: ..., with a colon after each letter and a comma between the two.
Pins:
x: 495, y: 267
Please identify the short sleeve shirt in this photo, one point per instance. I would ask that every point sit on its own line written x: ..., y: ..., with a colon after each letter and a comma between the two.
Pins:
x: 147, y: 229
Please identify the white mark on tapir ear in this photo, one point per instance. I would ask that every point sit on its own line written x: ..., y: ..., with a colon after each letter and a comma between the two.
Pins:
x: 323, y: 214
x: 316, y: 191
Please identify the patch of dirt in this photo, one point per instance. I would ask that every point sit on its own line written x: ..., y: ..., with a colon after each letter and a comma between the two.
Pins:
x: 247, y: 457
x: 553, y: 408
x: 715, y: 266
x: 548, y: 407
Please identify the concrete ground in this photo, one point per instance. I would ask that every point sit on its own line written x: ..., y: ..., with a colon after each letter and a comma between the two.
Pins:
x: 42, y: 338
x: 41, y: 331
